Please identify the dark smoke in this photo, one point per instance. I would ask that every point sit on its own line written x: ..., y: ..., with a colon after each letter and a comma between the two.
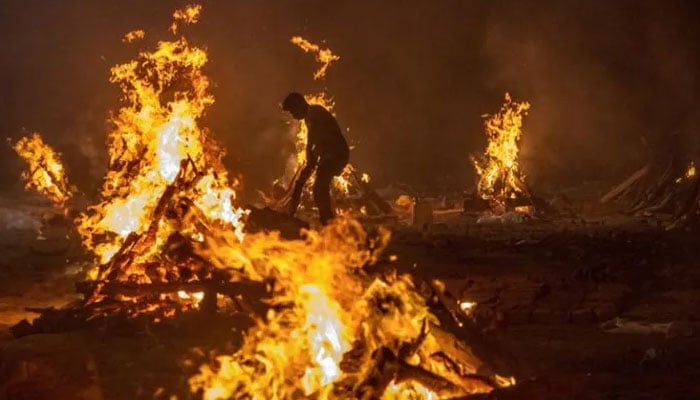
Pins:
x: 413, y: 80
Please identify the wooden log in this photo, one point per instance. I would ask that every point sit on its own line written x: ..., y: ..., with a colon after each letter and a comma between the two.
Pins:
x: 625, y: 186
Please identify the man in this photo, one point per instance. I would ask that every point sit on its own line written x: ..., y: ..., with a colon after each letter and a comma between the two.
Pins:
x: 326, y: 151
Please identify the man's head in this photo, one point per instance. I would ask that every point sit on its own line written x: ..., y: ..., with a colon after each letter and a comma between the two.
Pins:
x: 296, y: 105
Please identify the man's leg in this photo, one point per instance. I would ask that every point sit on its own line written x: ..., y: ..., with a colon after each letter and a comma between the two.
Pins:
x: 322, y: 191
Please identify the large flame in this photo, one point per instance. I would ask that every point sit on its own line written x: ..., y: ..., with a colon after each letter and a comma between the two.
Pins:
x: 156, y: 140
x: 500, y: 177
x: 45, y: 173
x: 325, y: 311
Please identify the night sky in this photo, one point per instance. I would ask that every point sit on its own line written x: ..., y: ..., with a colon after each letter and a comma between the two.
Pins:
x: 413, y: 80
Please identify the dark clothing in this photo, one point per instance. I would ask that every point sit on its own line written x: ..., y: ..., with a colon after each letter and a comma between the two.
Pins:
x: 328, y: 153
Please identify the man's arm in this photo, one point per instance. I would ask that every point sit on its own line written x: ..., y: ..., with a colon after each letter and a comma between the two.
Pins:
x: 304, y: 175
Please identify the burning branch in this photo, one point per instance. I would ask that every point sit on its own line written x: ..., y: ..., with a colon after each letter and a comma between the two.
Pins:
x: 45, y: 173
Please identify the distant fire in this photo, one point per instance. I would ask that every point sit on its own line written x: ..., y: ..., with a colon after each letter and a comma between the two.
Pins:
x: 500, y: 177
x: 45, y: 173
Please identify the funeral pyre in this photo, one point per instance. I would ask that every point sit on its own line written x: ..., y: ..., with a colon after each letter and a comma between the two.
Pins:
x: 352, y: 191
x: 168, y: 238
x: 501, y: 181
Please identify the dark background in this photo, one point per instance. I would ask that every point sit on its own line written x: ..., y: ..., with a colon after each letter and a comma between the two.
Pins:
x: 413, y: 80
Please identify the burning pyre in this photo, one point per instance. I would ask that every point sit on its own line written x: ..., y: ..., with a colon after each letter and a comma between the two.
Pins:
x: 167, y: 221
x: 500, y: 177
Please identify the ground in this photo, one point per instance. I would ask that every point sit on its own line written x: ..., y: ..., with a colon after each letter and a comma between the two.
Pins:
x: 551, y: 286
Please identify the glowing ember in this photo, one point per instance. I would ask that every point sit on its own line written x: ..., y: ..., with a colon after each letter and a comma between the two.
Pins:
x: 324, y: 56
x: 467, y: 307
x: 689, y: 173
x: 45, y: 173
x: 500, y: 177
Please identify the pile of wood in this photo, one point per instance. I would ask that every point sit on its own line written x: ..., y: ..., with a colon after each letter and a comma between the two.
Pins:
x: 668, y: 185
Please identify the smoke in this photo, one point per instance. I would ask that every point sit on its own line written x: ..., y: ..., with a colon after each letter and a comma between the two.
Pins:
x: 411, y: 84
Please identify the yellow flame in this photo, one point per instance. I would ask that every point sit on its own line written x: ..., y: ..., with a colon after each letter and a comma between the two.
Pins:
x: 45, y: 173
x: 187, y: 15
x: 166, y: 176
x: 409, y: 391
x: 133, y: 36
x: 322, y: 307
x: 156, y: 138
x: 499, y: 173
x: 324, y: 56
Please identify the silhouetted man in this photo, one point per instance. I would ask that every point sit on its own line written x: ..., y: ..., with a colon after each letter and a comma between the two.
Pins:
x: 326, y: 151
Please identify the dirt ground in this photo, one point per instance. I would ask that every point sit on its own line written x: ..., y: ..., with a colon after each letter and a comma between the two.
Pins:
x: 552, y: 286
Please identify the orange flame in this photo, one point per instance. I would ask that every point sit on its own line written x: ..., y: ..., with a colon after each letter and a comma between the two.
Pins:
x: 324, y: 56
x: 45, y: 174
x: 187, y: 15
x: 156, y: 138
x: 499, y: 173
x: 133, y: 36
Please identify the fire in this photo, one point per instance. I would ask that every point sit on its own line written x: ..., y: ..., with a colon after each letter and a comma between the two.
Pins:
x: 342, y: 184
x: 327, y: 322
x: 45, y: 174
x: 133, y: 36
x: 499, y: 173
x: 324, y: 56
x: 158, y: 152
x: 187, y: 15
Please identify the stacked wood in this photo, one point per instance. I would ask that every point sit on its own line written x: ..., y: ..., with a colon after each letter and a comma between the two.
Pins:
x: 667, y: 185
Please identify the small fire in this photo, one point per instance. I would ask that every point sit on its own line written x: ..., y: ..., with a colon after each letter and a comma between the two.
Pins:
x: 499, y: 173
x: 45, y: 174
x: 324, y: 56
